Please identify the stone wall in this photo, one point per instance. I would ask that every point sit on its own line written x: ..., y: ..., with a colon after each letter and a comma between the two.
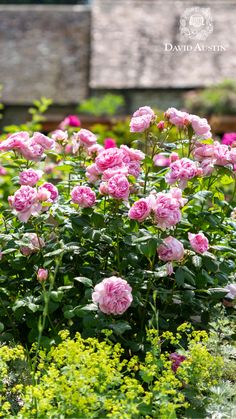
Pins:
x: 45, y: 50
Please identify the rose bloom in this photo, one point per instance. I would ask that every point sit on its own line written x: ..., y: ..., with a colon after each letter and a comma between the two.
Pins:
x: 166, y: 210
x: 134, y: 168
x: 92, y: 173
x: 113, y: 295
x: 200, y: 126
x: 198, y: 242
x: 118, y: 187
x: 109, y: 143
x: 109, y: 158
x: 95, y: 149
x: 59, y: 135
x: 161, y: 125
x: 171, y: 249
x: 86, y: 137
x: 30, y: 177
x: 83, y: 196
x: 177, y: 193
x: 204, y: 151
x: 3, y: 171
x: 182, y: 170
x: 41, y: 139
x: 232, y: 291
x: 24, y: 198
x: 140, y: 123
x: 176, y: 360
x: 132, y: 153
x: 116, y: 170
x: 70, y: 121
x: 222, y: 155
x: 140, y: 210
x: 207, y: 166
x: 42, y: 274
x: 51, y: 189
x: 177, y: 118
x: 229, y: 138
x: 144, y: 110
x: 15, y: 141
x: 161, y: 160
x: 34, y: 244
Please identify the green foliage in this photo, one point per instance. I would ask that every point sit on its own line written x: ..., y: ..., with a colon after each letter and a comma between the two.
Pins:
x: 92, y: 379
x: 219, y: 99
x: 108, y: 104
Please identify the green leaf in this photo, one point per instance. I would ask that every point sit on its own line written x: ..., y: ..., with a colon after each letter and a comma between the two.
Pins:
x: 120, y: 327
x: 86, y: 281
x: 54, y: 253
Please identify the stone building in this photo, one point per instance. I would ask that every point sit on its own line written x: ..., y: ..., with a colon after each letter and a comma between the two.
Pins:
x: 151, y: 51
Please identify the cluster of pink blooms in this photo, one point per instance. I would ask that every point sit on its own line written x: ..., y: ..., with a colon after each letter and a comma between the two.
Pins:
x: 31, y: 148
x: 181, y: 171
x: 113, y: 295
x: 142, y: 119
x: 28, y: 201
x: 214, y: 154
x: 34, y: 244
x: 113, y: 166
x: 164, y: 206
x: 181, y: 119
x: 83, y: 196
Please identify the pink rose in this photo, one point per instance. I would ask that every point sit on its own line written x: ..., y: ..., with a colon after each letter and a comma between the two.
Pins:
x: 207, y: 166
x: 33, y: 244
x: 41, y: 139
x: 132, y: 153
x: 83, y: 196
x: 92, y: 173
x: 231, y: 288
x: 95, y: 149
x: 181, y: 171
x: 113, y: 295
x: 70, y: 121
x: 177, y: 118
x: 161, y: 160
x: 3, y: 171
x: 109, y: 158
x: 30, y: 177
x: 171, y: 249
x: 116, y: 170
x: 59, y: 135
x: 15, y: 141
x: 32, y: 151
x: 173, y: 157
x: 43, y: 195
x: 134, y: 168
x: 166, y: 210
x: 203, y: 151
x: 51, y: 189
x: 200, y: 126
x: 221, y: 154
x: 176, y: 193
x: 109, y: 143
x: 86, y: 137
x: 144, y: 110
x: 42, y: 274
x: 229, y: 138
x: 118, y: 187
x: 103, y: 189
x: 140, y: 123
x: 24, y: 201
x: 140, y: 210
x: 198, y: 242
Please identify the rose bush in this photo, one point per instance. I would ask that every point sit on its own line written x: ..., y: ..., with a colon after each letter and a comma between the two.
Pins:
x: 74, y: 216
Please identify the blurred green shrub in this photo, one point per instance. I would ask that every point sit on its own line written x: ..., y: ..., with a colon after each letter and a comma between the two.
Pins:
x: 107, y: 105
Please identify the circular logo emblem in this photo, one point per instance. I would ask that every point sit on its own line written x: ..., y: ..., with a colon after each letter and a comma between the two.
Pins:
x: 196, y: 23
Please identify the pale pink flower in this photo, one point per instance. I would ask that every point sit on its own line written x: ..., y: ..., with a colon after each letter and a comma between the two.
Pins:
x: 3, y: 171
x: 30, y: 177
x: 207, y: 166
x: 60, y: 135
x: 95, y: 149
x: 204, y: 151
x: 134, y: 168
x: 15, y: 141
x: 161, y: 160
x: 83, y: 196
x: 92, y: 173
x: 140, y: 210
x: 222, y: 155
x: 177, y: 193
x: 42, y: 274
x: 68, y: 149
x: 51, y: 189
x: 173, y: 157
x: 103, y: 188
x: 34, y: 244
x: 171, y: 249
x: 41, y: 139
x: 181, y: 171
x: 144, y: 110
x: 43, y: 195
x: 116, y: 170
x: 113, y: 295
x: 109, y: 158
x: 177, y: 118
x: 24, y: 202
x: 166, y: 210
x: 132, y: 153
x: 232, y: 291
x: 86, y: 137
x: 199, y: 242
x: 140, y: 123
x: 118, y: 187
x: 32, y: 151
x: 200, y: 126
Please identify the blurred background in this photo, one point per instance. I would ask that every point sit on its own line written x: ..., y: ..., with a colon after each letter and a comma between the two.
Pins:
x: 104, y: 58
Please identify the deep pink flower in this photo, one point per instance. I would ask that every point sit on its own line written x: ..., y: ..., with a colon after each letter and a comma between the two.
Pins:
x: 113, y: 295
x: 176, y: 360
x: 229, y: 138
x: 118, y: 187
x: 34, y: 243
x: 42, y: 274
x: 140, y: 210
x: 161, y: 125
x: 109, y: 143
x: 83, y: 196
x: 199, y: 242
x: 140, y: 123
x: 70, y: 121
x: 171, y: 249
x: 30, y: 177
